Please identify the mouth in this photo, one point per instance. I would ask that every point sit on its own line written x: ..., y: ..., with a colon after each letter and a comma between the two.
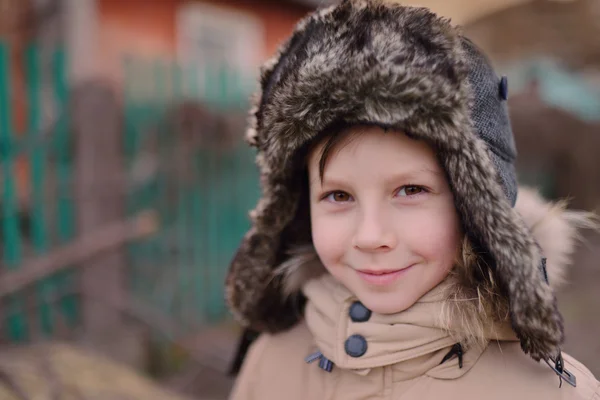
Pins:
x: 381, y: 277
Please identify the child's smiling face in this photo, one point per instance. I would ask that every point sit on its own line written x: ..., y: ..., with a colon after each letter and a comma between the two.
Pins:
x: 383, y: 217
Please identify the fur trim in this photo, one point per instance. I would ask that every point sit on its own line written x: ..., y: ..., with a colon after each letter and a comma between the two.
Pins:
x: 555, y: 228
x: 368, y: 61
x: 302, y: 266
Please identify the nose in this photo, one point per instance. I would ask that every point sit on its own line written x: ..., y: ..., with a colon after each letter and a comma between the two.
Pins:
x: 374, y: 232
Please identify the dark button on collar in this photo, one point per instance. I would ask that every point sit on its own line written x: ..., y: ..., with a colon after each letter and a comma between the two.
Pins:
x: 359, y: 313
x: 356, y: 346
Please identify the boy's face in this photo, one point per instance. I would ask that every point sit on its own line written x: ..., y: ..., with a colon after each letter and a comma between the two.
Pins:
x: 383, y: 218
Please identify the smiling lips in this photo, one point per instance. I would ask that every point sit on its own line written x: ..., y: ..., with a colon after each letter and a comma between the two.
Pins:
x: 384, y: 277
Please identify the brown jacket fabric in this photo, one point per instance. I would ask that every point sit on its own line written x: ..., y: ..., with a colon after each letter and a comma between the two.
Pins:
x: 275, y: 369
x: 406, y: 353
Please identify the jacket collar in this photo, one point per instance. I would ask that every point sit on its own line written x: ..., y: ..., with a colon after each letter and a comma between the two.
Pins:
x: 412, y: 342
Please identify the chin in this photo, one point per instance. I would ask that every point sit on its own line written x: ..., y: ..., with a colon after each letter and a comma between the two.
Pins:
x: 385, y: 305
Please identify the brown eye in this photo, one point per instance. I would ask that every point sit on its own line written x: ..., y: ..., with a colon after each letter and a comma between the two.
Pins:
x: 339, y: 197
x: 410, y: 190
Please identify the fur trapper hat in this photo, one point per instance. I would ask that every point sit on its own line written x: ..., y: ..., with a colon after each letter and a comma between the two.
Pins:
x: 402, y: 68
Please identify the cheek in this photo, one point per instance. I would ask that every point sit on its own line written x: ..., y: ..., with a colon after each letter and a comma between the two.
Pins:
x: 329, y: 238
x: 436, y: 238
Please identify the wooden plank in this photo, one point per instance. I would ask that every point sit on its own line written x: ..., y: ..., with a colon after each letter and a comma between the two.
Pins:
x: 87, y: 247
x: 96, y: 124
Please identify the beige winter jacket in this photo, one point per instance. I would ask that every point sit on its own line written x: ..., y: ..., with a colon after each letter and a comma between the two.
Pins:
x: 405, y: 353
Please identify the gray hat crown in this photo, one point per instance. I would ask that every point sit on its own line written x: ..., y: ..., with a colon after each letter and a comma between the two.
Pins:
x: 489, y: 113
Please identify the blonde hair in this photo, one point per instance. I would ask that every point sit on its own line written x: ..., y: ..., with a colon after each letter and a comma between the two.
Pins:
x: 474, y: 306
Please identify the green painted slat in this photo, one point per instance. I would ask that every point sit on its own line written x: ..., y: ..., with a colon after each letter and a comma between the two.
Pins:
x: 65, y: 281
x: 214, y: 230
x: 181, y: 233
x: 229, y: 201
x: 11, y: 236
x: 193, y: 83
x: 177, y: 82
x: 16, y: 324
x: 148, y: 254
x: 195, y: 239
x: 66, y: 212
x: 69, y: 305
x: 201, y: 209
x: 131, y: 139
x: 198, y: 279
x: 154, y: 198
x: 210, y: 93
x: 37, y: 161
x: 165, y: 296
x: 241, y: 199
x: 223, y: 86
x: 37, y: 154
x: 130, y: 143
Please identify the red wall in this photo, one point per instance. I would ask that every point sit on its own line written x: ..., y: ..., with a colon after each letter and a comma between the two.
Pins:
x: 148, y: 27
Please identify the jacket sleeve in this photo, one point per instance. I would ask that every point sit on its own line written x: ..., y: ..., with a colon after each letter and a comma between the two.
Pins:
x: 248, y: 380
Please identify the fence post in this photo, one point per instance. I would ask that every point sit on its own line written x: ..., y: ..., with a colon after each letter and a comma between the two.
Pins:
x: 99, y: 195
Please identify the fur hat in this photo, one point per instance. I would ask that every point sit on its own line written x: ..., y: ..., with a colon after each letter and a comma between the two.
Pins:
x: 404, y: 68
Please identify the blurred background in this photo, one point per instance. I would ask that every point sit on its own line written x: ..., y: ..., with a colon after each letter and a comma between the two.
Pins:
x: 125, y: 182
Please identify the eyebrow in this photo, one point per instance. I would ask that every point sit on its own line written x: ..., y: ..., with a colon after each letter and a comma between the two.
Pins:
x: 414, y: 176
x: 415, y: 173
x: 409, y: 175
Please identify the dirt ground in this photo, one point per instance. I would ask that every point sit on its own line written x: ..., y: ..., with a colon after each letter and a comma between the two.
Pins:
x: 206, y: 378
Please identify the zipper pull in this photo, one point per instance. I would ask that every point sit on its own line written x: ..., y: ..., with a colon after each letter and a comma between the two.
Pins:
x: 456, y: 350
x: 563, y: 374
x: 324, y: 363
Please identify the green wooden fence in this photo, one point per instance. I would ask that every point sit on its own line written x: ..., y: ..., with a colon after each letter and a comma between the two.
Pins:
x: 202, y: 198
x: 203, y: 213
x: 34, y: 222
